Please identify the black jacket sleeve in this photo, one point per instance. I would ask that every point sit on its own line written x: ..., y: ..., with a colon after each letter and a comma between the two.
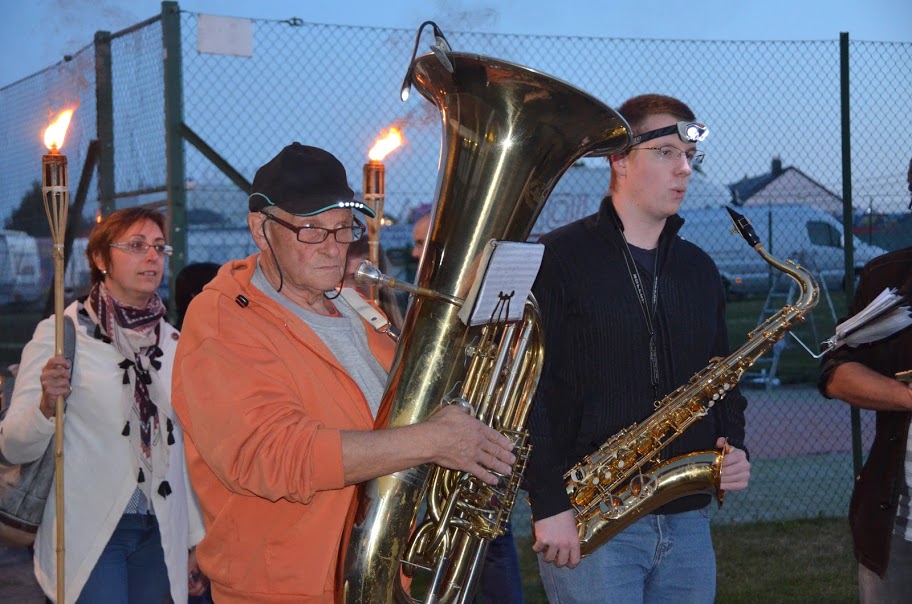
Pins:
x: 551, y: 419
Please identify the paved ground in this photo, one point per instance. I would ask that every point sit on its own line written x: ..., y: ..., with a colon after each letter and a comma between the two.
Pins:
x: 797, y: 420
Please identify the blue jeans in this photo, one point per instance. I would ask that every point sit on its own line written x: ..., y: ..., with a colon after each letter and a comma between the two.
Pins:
x: 659, y: 558
x: 500, y: 582
x: 131, y: 568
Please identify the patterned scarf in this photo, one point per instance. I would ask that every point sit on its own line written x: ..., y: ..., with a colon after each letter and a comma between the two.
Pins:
x: 135, y: 333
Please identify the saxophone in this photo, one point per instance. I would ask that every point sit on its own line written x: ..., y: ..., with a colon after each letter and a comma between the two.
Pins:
x: 624, y: 480
x: 509, y: 133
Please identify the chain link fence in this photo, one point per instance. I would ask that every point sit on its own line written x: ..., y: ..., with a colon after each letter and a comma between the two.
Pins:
x: 776, y: 149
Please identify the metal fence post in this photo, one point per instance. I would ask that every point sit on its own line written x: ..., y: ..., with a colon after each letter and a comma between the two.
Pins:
x: 104, y: 119
x: 848, y: 236
x: 174, y: 144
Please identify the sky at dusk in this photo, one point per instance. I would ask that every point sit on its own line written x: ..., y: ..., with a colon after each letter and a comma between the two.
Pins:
x: 39, y: 33
x: 798, y: 83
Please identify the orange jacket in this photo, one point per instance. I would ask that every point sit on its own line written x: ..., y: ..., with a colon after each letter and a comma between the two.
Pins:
x: 262, y: 401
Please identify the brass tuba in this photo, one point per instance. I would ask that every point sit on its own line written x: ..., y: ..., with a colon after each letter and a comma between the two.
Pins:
x: 509, y: 133
x: 624, y: 480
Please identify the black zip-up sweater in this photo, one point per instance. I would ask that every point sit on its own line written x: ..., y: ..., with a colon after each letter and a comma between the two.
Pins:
x: 596, y: 378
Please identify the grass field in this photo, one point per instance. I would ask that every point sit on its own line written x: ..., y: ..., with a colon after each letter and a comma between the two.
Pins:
x: 781, y: 562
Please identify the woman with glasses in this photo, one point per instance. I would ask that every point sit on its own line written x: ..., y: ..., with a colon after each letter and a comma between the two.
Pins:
x: 131, y: 520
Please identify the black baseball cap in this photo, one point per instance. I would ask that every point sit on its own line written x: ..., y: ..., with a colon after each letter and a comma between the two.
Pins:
x: 304, y: 181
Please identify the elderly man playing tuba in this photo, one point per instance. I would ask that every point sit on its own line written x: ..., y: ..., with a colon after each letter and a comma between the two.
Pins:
x: 278, y: 384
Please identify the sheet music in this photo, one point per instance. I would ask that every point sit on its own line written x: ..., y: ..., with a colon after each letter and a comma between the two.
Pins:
x: 507, y: 270
x: 881, y: 318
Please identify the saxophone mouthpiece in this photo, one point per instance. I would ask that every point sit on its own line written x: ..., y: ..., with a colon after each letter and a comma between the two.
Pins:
x: 743, y: 225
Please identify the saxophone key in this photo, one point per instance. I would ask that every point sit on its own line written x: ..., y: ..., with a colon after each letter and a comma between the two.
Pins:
x: 611, y: 508
x: 642, y: 486
x: 583, y: 496
x: 625, y: 457
x: 645, y: 444
x: 605, y: 475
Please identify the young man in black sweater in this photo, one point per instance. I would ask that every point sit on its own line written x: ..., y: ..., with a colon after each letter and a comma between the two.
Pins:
x: 631, y: 311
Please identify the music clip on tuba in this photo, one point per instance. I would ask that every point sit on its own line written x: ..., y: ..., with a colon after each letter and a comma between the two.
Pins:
x: 509, y: 133
x: 624, y: 480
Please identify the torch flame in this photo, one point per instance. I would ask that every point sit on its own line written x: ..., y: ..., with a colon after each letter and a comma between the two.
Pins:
x: 385, y: 144
x: 55, y: 133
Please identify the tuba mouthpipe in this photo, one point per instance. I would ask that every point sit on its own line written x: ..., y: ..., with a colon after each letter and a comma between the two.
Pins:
x: 368, y: 274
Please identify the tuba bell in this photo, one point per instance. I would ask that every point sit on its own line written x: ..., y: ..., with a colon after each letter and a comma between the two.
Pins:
x: 509, y: 133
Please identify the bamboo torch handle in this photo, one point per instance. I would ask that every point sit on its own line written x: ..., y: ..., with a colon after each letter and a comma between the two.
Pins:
x: 58, y: 420
x: 373, y: 195
x: 56, y: 204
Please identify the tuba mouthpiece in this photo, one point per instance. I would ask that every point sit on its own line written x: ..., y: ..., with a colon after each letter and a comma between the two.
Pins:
x: 368, y: 274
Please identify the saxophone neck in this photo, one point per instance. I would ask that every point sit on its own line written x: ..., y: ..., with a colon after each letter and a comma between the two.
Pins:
x: 809, y: 288
x: 806, y: 282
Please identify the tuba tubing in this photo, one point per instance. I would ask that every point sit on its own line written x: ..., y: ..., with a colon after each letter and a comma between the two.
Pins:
x: 509, y: 133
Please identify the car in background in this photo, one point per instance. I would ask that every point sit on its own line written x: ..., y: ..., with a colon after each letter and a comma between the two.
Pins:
x: 20, y: 268
x: 802, y: 233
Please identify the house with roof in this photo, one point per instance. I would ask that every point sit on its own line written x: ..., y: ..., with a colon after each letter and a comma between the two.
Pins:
x: 785, y: 186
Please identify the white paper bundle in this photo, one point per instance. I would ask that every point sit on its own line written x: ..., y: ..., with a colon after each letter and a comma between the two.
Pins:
x: 887, y: 314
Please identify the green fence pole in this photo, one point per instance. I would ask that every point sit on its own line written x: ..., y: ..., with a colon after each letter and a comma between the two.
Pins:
x: 847, y: 232
x: 104, y: 121
x: 174, y: 144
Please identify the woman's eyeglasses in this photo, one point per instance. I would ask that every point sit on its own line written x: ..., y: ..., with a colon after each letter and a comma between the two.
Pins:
x: 141, y: 247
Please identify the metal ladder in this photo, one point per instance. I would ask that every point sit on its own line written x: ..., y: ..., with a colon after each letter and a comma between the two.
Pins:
x: 783, y: 292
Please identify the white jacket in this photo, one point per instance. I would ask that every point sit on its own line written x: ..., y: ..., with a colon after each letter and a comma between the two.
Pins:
x: 99, y: 476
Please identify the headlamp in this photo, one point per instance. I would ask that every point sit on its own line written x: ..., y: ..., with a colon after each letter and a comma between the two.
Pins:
x: 688, y: 132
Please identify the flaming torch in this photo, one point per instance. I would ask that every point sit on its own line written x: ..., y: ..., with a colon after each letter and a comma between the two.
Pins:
x: 56, y: 193
x: 374, y: 192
